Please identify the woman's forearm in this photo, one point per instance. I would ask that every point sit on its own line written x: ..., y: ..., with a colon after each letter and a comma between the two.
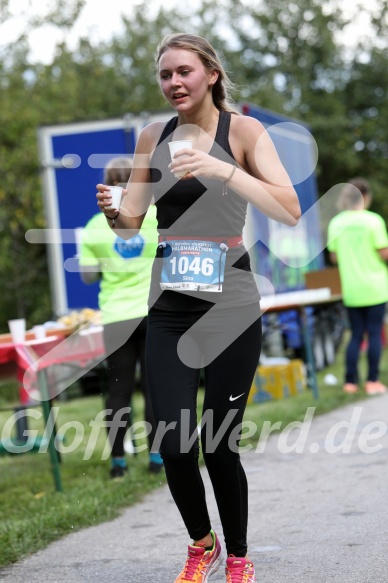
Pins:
x: 124, y: 225
x: 277, y: 202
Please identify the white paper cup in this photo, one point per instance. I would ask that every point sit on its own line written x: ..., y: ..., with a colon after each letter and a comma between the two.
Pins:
x: 175, y: 146
x: 78, y: 240
x: 39, y: 331
x: 116, y: 192
x: 18, y: 330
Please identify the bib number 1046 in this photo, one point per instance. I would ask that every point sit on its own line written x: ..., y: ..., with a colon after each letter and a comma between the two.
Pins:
x: 193, y: 265
x: 197, y: 266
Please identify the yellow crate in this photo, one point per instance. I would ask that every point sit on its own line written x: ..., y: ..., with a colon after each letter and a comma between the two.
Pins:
x: 297, y: 376
x: 277, y: 381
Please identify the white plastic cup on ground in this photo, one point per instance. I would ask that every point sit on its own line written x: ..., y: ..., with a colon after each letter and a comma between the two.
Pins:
x: 330, y: 380
x: 175, y: 146
x: 39, y: 331
x: 116, y: 192
x: 18, y: 330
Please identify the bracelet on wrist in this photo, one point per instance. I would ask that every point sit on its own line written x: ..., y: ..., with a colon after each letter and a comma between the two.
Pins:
x: 225, y: 183
x: 113, y: 219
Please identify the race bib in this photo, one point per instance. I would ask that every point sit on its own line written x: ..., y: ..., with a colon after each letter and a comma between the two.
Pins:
x: 191, y: 265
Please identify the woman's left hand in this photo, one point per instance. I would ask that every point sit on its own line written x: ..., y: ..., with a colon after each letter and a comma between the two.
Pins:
x: 198, y: 164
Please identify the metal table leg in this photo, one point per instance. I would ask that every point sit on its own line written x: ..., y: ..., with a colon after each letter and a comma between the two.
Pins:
x: 311, y: 373
x: 50, y: 429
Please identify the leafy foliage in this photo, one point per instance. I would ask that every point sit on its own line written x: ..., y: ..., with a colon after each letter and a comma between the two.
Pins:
x: 282, y: 55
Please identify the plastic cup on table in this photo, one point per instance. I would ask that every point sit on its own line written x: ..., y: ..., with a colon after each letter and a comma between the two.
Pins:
x: 116, y: 192
x: 39, y: 331
x: 17, y: 328
x: 175, y: 146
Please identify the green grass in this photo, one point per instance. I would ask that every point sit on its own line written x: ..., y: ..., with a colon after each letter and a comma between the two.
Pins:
x: 8, y: 392
x: 33, y: 514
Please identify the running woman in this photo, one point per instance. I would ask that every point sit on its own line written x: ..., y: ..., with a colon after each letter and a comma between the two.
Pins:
x: 204, y: 309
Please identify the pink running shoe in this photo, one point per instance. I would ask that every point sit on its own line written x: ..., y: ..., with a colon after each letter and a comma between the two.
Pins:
x: 200, y: 563
x: 239, y: 570
x: 375, y: 388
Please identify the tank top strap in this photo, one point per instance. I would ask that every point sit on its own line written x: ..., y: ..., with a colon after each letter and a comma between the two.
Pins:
x: 222, y: 134
x: 168, y: 129
x: 223, y: 128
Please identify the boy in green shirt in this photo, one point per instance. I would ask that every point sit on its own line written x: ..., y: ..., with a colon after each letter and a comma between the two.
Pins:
x: 123, y: 268
x: 358, y: 242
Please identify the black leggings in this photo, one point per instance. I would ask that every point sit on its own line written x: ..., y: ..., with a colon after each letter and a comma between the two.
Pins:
x: 121, y: 376
x: 173, y: 386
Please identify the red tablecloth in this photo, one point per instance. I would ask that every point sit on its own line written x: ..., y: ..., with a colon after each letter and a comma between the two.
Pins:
x: 83, y: 349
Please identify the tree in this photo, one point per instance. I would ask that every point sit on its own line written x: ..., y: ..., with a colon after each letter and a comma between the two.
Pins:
x: 92, y: 83
x: 23, y: 267
x: 288, y: 57
x: 365, y: 97
x: 282, y: 55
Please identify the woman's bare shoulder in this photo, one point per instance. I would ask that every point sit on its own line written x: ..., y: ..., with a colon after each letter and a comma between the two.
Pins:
x: 150, y: 135
x: 244, y: 134
x: 245, y: 125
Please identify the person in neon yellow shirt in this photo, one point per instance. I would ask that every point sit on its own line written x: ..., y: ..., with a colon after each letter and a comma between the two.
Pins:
x: 358, y: 242
x: 123, y: 268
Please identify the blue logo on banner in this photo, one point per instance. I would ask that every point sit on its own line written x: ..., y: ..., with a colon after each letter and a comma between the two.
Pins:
x: 130, y: 248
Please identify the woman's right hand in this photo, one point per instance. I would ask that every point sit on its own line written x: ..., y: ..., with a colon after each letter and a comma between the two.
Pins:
x: 104, y: 199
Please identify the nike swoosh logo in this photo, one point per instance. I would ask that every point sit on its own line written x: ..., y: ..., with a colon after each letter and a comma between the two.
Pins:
x: 231, y: 398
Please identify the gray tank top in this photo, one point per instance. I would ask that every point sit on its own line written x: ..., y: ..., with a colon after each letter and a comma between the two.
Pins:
x: 197, y: 208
